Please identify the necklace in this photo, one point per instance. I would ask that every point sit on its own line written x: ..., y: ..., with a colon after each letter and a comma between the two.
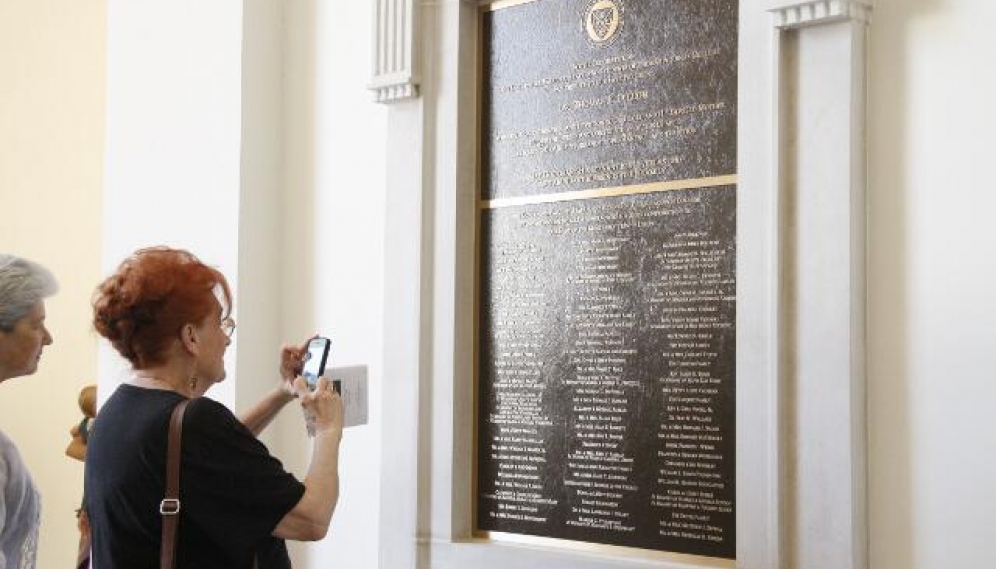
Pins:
x: 152, y: 382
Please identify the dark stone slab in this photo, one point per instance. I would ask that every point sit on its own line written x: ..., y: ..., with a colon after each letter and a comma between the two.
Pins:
x: 607, y: 371
x: 562, y: 112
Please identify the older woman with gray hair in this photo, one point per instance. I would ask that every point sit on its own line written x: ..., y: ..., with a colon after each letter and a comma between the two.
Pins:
x: 24, y: 285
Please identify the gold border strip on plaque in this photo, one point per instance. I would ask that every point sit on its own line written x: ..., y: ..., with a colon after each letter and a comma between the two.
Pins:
x: 689, y: 184
x: 501, y: 4
x: 615, y: 550
x: 478, y: 296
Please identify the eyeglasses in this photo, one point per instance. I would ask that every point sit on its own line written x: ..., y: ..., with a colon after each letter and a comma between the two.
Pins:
x: 228, y: 327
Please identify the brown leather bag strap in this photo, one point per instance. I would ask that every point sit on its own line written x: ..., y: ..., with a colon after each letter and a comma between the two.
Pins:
x: 169, y: 508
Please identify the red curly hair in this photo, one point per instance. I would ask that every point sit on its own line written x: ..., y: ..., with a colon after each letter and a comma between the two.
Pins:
x: 142, y: 307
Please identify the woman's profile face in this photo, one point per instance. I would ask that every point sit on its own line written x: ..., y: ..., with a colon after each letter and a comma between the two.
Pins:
x: 21, y: 348
x: 215, y: 342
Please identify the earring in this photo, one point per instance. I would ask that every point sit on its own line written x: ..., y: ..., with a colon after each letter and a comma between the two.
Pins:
x: 193, y: 383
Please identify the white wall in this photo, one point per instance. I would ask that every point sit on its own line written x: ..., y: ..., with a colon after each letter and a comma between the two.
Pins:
x: 333, y: 242
x: 51, y: 147
x: 932, y: 277
x: 173, y: 140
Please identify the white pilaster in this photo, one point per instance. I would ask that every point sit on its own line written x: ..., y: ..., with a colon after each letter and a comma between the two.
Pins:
x: 803, y: 13
x: 261, y: 196
x: 759, y: 425
x: 403, y: 473
x: 819, y: 165
x: 395, y: 76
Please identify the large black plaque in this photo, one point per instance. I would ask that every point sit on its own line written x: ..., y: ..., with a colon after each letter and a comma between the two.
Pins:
x: 607, y: 304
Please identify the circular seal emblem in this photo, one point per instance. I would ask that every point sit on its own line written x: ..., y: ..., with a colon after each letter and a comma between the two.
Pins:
x: 602, y: 20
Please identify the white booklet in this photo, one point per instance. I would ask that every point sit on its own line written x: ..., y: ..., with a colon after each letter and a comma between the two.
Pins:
x: 352, y: 385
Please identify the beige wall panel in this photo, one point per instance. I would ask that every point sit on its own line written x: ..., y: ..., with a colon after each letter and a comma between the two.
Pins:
x: 51, y: 170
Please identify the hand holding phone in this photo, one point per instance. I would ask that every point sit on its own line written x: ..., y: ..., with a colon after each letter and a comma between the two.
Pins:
x: 315, y: 359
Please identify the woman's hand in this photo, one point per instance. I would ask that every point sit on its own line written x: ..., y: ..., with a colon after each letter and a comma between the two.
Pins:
x: 323, y: 411
x: 291, y: 363
x: 310, y: 517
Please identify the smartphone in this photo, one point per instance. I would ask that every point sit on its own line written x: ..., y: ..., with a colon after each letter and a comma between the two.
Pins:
x: 315, y: 359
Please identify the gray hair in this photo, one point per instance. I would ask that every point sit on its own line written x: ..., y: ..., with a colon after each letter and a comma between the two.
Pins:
x: 23, y: 284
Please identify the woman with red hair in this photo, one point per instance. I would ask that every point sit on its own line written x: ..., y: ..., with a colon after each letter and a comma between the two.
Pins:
x: 169, y: 315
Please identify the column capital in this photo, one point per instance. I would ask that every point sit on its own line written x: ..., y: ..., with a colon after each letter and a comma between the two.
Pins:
x: 790, y: 14
x: 395, y: 74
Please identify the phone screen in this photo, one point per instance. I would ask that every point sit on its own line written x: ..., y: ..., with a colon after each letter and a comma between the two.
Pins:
x: 314, y: 360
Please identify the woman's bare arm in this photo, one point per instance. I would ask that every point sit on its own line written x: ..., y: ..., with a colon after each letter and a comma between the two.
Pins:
x: 309, y: 519
x: 259, y: 416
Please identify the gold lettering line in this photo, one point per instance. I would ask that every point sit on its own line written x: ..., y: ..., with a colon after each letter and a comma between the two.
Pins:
x: 481, y: 536
x: 500, y: 4
x: 672, y: 185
